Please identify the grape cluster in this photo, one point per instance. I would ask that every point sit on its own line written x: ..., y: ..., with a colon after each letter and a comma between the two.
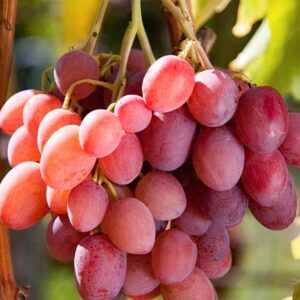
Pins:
x: 142, y: 195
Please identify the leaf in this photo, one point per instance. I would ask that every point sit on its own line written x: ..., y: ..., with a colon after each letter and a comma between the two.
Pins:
x: 202, y: 10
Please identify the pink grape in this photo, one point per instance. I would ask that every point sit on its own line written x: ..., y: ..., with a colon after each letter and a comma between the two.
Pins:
x: 94, y: 100
x: 218, y: 158
x: 163, y: 195
x: 130, y: 226
x: 100, y: 133
x: 290, y: 148
x: 23, y: 196
x: 282, y: 214
x: 125, y: 163
x: 73, y: 66
x: 134, y: 84
x: 62, y: 238
x: 195, y: 287
x: 227, y: 208
x: 214, y: 99
x: 173, y: 256
x: 122, y: 191
x: 168, y: 84
x: 35, y: 109
x: 57, y: 200
x: 214, y: 243
x: 261, y: 119
x: 133, y: 114
x: 136, y: 61
x: 11, y: 114
x: 215, y: 269
x: 168, y: 139
x: 63, y: 163
x: 265, y: 176
x: 100, y: 268
x: 139, y: 279
x: 22, y: 147
x: 87, y: 205
x: 54, y: 120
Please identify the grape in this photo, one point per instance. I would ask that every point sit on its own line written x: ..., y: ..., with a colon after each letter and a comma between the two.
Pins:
x: 57, y: 200
x: 227, y: 208
x: 87, y: 205
x: 11, y: 115
x: 214, y: 98
x: 193, y: 220
x: 23, y: 196
x: 134, y: 84
x: 265, y: 176
x: 94, y: 100
x: 22, y: 147
x: 160, y: 226
x: 139, y: 279
x: 100, y: 268
x: 54, y: 120
x: 214, y: 243
x: 130, y: 226
x: 134, y: 115
x: 100, y: 133
x: 261, y: 119
x: 73, y: 66
x: 147, y: 296
x: 195, y: 287
x: 290, y: 148
x: 173, y: 256
x: 168, y: 84
x: 136, y: 61
x: 62, y: 238
x: 218, y: 158
x: 63, y: 163
x: 214, y: 269
x: 35, y: 109
x: 282, y: 214
x: 167, y: 140
x: 163, y: 195
x: 123, y: 191
x: 125, y: 163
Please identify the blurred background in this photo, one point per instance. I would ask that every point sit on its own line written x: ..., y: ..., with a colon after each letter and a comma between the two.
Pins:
x: 260, y: 37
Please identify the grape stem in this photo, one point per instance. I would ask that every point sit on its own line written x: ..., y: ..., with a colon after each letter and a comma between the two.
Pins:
x: 182, y: 15
x: 102, y: 179
x: 91, y: 43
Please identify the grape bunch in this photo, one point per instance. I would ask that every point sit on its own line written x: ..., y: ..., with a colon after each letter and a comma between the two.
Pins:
x: 143, y: 193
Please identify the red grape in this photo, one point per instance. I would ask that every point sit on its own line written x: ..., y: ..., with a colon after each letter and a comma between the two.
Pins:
x: 167, y: 140
x: 173, y: 256
x: 136, y: 61
x: 163, y: 195
x: 57, y: 200
x: 22, y: 147
x: 168, y: 84
x: 261, y: 119
x: 218, y: 158
x: 214, y: 99
x: 23, y: 196
x: 100, y: 268
x: 125, y: 163
x: 63, y: 163
x: 134, y: 84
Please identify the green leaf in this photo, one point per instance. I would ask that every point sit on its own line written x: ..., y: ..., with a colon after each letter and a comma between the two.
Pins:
x: 202, y: 10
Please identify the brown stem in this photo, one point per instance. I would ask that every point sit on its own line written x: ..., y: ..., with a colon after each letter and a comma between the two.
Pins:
x: 7, y: 30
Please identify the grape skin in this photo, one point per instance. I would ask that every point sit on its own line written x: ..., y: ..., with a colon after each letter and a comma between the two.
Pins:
x: 261, y: 119
x: 134, y: 84
x: 100, y: 268
x: 174, y: 256
x: 130, y: 226
x: 214, y: 99
x: 125, y: 163
x: 22, y: 147
x: 168, y: 139
x: 65, y: 167
x: 62, y: 238
x: 57, y: 200
x: 11, y: 114
x: 168, y: 84
x: 212, y: 148
x: 35, y: 109
x: 163, y: 195
x: 23, y: 196
x: 87, y: 205
x: 136, y: 61
x: 54, y: 120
